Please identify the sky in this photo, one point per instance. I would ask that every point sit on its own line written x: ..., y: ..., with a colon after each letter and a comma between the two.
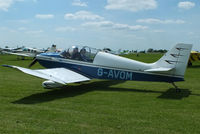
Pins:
x: 125, y: 24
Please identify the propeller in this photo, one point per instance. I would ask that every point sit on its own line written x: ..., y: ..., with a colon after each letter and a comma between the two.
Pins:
x: 33, y: 63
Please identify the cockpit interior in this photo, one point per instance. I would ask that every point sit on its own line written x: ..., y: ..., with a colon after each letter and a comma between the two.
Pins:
x: 85, y: 53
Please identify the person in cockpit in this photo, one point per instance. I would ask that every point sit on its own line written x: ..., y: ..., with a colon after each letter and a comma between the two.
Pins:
x: 75, y: 54
x: 83, y: 55
x: 66, y: 54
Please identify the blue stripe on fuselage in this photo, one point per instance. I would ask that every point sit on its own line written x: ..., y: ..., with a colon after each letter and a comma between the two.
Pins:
x: 99, y: 72
x: 51, y: 54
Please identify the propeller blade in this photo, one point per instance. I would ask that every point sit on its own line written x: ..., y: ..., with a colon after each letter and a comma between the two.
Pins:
x: 33, y: 63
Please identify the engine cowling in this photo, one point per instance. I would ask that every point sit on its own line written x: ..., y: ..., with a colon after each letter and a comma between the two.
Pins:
x: 51, y: 84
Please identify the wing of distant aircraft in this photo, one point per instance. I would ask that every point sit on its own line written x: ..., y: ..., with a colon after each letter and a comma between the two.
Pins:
x: 18, y: 54
x: 59, y: 75
x: 24, y: 52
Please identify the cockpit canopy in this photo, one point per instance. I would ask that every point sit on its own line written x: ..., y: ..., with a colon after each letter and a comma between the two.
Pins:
x: 84, y: 53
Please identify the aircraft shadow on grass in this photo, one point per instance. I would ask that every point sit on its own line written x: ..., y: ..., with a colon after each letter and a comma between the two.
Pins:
x: 172, y: 94
x: 75, y: 90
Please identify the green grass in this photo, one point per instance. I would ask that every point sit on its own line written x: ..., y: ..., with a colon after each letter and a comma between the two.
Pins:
x: 97, y: 107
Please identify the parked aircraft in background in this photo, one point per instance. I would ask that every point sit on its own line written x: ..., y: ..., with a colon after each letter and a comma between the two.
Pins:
x: 194, y: 56
x: 108, y: 50
x: 52, y: 49
x: 27, y: 51
x: 83, y: 64
x: 10, y: 49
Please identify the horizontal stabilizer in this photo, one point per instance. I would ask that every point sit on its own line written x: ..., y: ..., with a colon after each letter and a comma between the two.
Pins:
x: 160, y: 69
x: 59, y: 75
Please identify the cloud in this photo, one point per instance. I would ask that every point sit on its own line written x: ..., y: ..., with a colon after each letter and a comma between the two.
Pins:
x: 158, y: 21
x: 23, y: 21
x: 64, y: 29
x: 79, y: 3
x: 158, y: 31
x: 131, y: 5
x: 8, y: 29
x: 83, y: 15
x: 22, y: 28
x: 3, y: 28
x: 186, y: 5
x: 116, y: 26
x: 44, y: 16
x: 34, y: 32
x: 19, y: 0
x: 5, y: 4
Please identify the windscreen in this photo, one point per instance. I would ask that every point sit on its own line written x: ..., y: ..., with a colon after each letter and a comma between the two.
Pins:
x: 85, y: 53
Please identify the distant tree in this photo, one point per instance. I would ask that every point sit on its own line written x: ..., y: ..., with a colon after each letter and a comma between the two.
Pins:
x: 160, y: 51
x: 142, y: 51
x: 125, y: 51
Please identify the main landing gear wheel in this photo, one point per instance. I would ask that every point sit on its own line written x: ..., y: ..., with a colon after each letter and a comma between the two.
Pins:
x: 176, y: 87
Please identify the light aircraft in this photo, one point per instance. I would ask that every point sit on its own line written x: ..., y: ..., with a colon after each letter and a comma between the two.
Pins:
x: 108, y: 50
x: 52, y: 49
x: 78, y: 65
x: 26, y: 52
x: 23, y: 51
x: 30, y: 52
x: 10, y: 49
x: 194, y: 56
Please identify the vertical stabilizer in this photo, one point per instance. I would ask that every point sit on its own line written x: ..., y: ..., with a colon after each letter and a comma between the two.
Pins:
x: 176, y: 58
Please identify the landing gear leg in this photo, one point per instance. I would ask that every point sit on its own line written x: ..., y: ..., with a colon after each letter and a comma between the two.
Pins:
x: 177, y: 89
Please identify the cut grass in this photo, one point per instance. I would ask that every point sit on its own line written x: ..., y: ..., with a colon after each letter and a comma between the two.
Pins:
x: 98, y: 106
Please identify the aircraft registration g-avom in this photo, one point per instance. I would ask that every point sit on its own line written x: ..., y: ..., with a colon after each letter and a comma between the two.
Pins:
x: 83, y: 64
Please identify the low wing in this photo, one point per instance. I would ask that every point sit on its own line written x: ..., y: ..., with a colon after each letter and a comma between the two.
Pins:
x: 59, y: 75
x: 160, y: 69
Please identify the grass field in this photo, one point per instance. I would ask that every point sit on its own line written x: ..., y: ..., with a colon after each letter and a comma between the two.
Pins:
x: 98, y: 107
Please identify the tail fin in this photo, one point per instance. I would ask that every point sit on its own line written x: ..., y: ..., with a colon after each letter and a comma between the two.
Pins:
x: 175, y: 60
x: 52, y: 49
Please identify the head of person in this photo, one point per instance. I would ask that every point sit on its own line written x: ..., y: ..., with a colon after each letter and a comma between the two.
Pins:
x: 75, y: 49
x: 83, y: 51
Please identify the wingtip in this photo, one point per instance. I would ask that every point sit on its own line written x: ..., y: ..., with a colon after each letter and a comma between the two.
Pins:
x: 7, y: 66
